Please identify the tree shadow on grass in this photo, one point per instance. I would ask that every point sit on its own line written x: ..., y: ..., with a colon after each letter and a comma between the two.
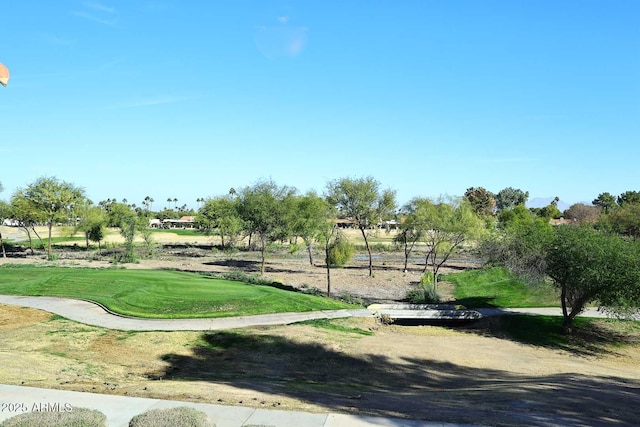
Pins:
x: 589, y: 337
x: 405, y: 387
x: 477, y: 302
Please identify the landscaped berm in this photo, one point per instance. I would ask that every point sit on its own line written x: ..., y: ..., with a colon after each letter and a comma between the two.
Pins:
x: 516, y: 370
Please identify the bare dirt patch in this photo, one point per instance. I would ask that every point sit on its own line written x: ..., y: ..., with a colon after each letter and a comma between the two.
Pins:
x: 424, y: 372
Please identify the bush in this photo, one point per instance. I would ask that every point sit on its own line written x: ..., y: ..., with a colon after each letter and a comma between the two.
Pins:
x: 77, y: 417
x: 425, y: 293
x: 172, y: 417
x: 340, y: 253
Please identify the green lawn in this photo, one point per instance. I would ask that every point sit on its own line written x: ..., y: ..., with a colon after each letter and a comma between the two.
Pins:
x: 495, y: 287
x: 158, y: 294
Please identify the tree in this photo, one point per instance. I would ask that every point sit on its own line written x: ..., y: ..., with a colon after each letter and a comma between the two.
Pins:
x: 264, y: 208
x: 629, y: 197
x: 550, y: 211
x: 411, y: 230
x: 220, y: 216
x: 625, y: 220
x: 148, y: 202
x: 606, y: 201
x: 446, y: 226
x: 93, y: 220
x: 328, y: 235
x: 482, y: 201
x: 509, y: 197
x: 309, y: 218
x: 5, y: 212
x: 520, y: 243
x: 591, y: 266
x: 26, y: 215
x: 581, y: 213
x: 362, y: 200
x: 53, y: 199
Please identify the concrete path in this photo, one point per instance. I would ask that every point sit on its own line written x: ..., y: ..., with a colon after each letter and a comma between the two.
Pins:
x: 94, y: 314
x: 120, y: 409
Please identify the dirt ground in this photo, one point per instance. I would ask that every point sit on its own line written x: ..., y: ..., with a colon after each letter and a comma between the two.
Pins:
x: 454, y: 374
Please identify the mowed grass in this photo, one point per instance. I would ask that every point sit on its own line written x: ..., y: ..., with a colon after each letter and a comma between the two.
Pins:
x: 159, y: 293
x: 496, y: 287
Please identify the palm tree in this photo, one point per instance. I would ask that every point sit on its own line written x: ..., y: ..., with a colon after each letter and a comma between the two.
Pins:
x: 175, y: 203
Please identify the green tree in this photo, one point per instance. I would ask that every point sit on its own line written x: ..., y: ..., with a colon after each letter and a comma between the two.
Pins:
x: 122, y: 216
x: 328, y: 235
x: 5, y: 212
x: 411, y: 230
x: 482, y: 201
x: 625, y: 220
x: 54, y: 199
x: 264, y: 209
x: 446, y: 226
x: 591, y: 266
x: 93, y: 221
x: 629, y: 197
x: 309, y: 218
x: 520, y: 243
x: 550, y: 211
x: 362, y: 200
x: 509, y: 197
x: 606, y: 201
x: 26, y: 215
x: 220, y: 216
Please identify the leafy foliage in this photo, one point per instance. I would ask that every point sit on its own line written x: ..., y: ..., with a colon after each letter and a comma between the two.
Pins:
x: 340, y: 252
x: 481, y: 200
x: 591, y: 266
x: 362, y: 200
x: 509, y: 197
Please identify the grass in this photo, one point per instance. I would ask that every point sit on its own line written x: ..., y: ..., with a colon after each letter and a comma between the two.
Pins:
x: 158, y: 293
x: 179, y: 231
x: 495, y: 287
x: 331, y: 325
x: 588, y: 337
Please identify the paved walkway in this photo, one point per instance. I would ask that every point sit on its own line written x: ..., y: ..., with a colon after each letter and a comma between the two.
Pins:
x: 120, y: 409
x: 94, y: 314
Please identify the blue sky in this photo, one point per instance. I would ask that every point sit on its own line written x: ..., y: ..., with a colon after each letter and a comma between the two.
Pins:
x: 187, y: 99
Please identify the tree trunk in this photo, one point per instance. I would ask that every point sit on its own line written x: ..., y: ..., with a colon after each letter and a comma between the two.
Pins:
x: 49, y: 245
x: 406, y: 257
x: 26, y: 230
x: 310, y: 251
x: 4, y: 253
x: 366, y: 242
x: 86, y: 237
x: 264, y: 248
x: 326, y: 251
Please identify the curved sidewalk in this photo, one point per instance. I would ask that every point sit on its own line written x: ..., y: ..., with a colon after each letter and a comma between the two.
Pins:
x: 94, y: 314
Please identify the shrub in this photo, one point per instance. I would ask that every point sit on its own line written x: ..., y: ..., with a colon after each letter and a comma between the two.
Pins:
x: 172, y: 417
x: 340, y: 253
x: 425, y: 293
x: 77, y: 417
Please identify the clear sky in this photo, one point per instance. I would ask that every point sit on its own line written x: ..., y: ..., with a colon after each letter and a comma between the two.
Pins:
x: 186, y: 99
